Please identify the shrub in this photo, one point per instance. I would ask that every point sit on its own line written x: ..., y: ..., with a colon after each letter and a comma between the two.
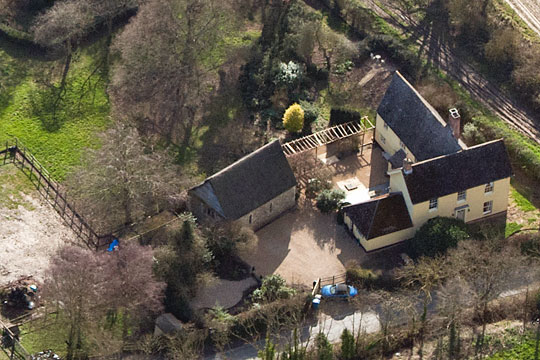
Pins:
x: 342, y: 116
x: 325, y: 349
x: 530, y: 244
x: 329, y: 200
x: 348, y: 348
x: 315, y: 186
x: 438, y: 235
x: 293, y: 119
x: 289, y: 74
x: 273, y: 288
x: 311, y: 111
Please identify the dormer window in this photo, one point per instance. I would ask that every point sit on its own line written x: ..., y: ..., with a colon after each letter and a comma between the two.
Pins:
x: 489, y: 188
x: 433, y: 204
x: 462, y: 195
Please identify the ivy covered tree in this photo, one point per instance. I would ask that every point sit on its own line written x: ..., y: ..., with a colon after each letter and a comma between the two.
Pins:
x: 437, y: 235
x: 293, y: 119
x: 329, y: 200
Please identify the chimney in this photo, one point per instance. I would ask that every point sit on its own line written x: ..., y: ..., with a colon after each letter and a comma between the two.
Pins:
x: 407, y: 166
x: 455, y: 122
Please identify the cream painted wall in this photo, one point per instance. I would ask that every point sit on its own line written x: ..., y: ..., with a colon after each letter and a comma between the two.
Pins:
x: 397, y: 184
x: 381, y: 241
x: 475, y: 200
x: 392, y: 141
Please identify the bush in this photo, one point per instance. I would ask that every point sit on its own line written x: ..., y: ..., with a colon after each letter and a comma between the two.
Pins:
x: 329, y: 200
x: 437, y: 235
x: 315, y: 186
x: 530, y: 244
x: 342, y: 116
x: 293, y: 119
x: 348, y: 346
x: 273, y: 288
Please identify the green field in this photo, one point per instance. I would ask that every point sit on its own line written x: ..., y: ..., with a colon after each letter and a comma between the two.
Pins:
x: 24, y: 109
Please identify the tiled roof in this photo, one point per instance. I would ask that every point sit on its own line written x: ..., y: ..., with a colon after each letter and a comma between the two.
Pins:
x: 463, y: 170
x: 248, y: 183
x: 380, y: 216
x: 416, y: 122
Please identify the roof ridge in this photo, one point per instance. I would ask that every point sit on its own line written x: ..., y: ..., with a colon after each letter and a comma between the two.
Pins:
x: 242, y: 159
x: 373, y: 219
x: 459, y: 152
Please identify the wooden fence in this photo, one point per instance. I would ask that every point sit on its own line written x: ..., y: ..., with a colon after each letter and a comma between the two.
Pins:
x: 15, y: 152
x: 10, y: 344
x: 331, y: 280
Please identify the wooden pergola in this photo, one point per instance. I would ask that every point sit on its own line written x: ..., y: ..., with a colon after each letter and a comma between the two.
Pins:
x: 327, y: 136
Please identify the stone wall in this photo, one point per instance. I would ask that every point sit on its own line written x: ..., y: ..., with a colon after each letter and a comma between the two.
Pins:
x: 269, y: 211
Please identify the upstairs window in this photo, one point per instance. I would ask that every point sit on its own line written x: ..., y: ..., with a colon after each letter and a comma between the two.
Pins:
x: 250, y: 219
x: 402, y: 145
x: 488, y: 207
x: 433, y: 204
x: 385, y: 126
x: 462, y: 195
x: 489, y: 188
x: 383, y: 140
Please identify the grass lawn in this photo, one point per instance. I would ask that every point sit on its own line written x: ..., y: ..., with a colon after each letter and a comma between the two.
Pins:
x: 84, y: 115
x: 40, y: 335
x: 14, y: 184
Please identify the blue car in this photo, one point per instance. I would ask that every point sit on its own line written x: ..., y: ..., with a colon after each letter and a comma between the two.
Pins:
x: 339, y: 291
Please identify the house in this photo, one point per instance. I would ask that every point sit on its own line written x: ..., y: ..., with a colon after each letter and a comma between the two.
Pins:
x: 432, y: 172
x: 253, y: 191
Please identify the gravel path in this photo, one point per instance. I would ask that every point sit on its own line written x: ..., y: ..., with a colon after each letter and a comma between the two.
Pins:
x: 30, y: 230
x: 28, y: 239
x: 224, y: 293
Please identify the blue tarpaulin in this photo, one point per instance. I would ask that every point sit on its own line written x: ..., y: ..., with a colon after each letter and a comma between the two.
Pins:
x: 114, y: 245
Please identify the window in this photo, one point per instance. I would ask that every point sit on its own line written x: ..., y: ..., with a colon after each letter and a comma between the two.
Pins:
x: 488, y: 207
x: 250, y: 218
x: 385, y: 126
x: 489, y: 187
x: 402, y: 145
x: 270, y: 207
x: 462, y: 195
x: 433, y: 203
x: 383, y: 140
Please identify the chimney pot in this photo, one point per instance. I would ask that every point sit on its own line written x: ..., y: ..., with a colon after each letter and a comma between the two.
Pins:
x: 407, y: 166
x: 454, y: 120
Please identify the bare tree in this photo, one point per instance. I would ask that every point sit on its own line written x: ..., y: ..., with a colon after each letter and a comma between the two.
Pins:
x: 425, y: 274
x: 169, y: 60
x: 124, y: 180
x: 489, y: 267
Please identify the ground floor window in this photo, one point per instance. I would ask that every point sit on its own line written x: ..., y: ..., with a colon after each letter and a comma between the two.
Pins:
x: 488, y: 207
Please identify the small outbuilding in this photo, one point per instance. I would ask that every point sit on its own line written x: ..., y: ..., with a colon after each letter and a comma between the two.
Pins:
x: 253, y: 191
x: 167, y: 324
x: 379, y: 222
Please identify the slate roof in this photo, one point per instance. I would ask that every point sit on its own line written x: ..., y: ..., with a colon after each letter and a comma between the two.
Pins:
x: 449, y: 174
x: 248, y: 183
x: 415, y: 121
x: 380, y: 216
x: 397, y: 159
x: 168, y: 323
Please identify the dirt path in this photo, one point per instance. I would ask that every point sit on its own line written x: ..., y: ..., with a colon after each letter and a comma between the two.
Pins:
x: 528, y: 11
x: 441, y: 55
x: 30, y: 230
